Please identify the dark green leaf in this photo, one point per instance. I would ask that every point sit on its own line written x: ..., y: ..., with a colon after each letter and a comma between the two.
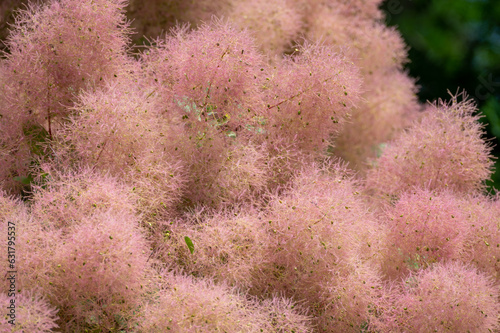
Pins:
x: 24, y: 180
x: 189, y: 244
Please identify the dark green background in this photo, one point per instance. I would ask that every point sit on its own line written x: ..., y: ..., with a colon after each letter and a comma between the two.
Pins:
x: 454, y: 45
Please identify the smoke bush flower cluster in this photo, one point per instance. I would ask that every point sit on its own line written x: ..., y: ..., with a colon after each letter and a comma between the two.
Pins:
x: 208, y: 84
x: 482, y: 248
x: 185, y: 304
x: 97, y: 270
x: 230, y: 247
x: 425, y: 228
x: 274, y: 23
x: 389, y: 94
x: 70, y: 197
x: 445, y: 150
x: 310, y: 95
x: 323, y: 248
x: 447, y: 297
x: 35, y: 314
x: 55, y: 50
x: 114, y: 132
x: 268, y: 169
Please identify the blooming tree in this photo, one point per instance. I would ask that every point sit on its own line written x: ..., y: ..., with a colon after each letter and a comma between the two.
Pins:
x: 262, y: 166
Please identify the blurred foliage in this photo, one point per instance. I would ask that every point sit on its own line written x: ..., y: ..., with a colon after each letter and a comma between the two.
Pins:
x: 454, y: 45
x: 7, y: 9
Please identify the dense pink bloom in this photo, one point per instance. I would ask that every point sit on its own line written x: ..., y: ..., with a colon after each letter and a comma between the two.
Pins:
x: 190, y: 187
x: 98, y: 269
x: 357, y: 8
x: 375, y: 47
x: 483, y: 244
x: 33, y: 314
x: 153, y: 18
x: 67, y: 198
x: 33, y: 246
x: 389, y: 105
x: 389, y: 95
x: 324, y: 248
x: 208, y: 77
x: 183, y: 304
x: 444, y: 298
x: 91, y: 270
x: 209, y: 82
x: 115, y: 130
x: 445, y: 150
x: 275, y: 24
x: 12, y: 210
x: 389, y: 99
x: 425, y: 227
x: 309, y: 96
x: 56, y: 50
x: 228, y: 247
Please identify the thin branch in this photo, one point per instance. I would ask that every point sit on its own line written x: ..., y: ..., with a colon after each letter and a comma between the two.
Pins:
x: 48, y: 109
x: 211, y: 80
x: 298, y: 94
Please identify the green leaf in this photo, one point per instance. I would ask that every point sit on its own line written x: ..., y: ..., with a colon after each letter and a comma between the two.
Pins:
x: 24, y: 180
x: 189, y: 244
x: 380, y: 149
x: 492, y: 112
x: 36, y: 135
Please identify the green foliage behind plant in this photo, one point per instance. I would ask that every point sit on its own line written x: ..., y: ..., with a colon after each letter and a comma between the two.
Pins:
x: 454, y: 44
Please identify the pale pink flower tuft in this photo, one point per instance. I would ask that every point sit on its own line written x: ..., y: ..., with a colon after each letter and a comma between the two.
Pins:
x: 425, y: 227
x: 446, y: 150
x: 32, y: 314
x: 446, y: 297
